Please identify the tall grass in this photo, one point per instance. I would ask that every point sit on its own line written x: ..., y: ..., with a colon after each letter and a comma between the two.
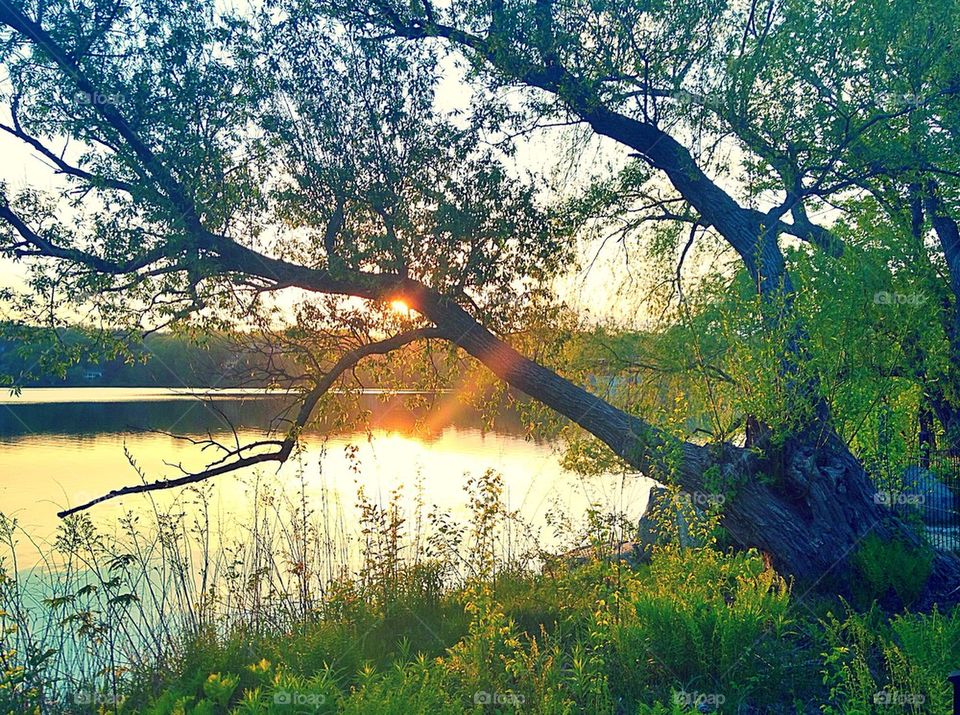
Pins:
x: 290, y: 607
x: 105, y: 606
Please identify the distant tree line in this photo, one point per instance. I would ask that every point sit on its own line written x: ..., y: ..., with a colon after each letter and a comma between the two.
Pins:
x: 160, y: 360
x: 32, y: 356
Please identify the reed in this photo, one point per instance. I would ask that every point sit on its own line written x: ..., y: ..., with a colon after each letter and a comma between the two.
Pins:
x: 292, y: 606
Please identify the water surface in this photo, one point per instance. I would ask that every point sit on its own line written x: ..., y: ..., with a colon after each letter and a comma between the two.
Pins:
x: 60, y: 447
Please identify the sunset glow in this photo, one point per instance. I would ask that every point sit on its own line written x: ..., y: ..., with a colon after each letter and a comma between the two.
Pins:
x: 400, y: 306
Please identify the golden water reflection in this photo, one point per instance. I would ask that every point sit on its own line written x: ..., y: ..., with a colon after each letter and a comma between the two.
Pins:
x: 44, y: 472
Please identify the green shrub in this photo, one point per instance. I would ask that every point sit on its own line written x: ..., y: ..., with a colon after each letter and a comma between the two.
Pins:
x: 872, y: 665
x: 418, y: 687
x: 704, y: 622
x: 889, y: 569
x: 467, y: 624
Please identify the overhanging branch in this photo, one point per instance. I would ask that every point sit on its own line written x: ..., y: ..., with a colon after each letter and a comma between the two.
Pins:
x: 346, y: 362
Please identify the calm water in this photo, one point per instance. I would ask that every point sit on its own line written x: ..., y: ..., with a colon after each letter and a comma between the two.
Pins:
x: 62, y: 446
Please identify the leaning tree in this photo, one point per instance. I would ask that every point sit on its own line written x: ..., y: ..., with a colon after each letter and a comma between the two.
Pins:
x: 816, y: 109
x: 217, y: 160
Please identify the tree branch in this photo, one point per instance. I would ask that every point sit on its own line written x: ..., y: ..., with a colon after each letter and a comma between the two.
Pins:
x: 634, y: 440
x: 62, y: 166
x: 282, y: 453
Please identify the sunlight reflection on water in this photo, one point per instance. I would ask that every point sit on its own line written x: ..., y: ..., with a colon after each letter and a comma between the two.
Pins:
x: 58, y: 450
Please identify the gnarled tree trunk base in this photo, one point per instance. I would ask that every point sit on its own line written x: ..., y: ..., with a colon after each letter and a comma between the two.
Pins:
x: 810, y: 506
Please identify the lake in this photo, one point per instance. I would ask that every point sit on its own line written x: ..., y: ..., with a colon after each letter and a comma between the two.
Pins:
x: 60, y: 447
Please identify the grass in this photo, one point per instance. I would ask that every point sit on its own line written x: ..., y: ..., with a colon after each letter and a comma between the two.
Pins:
x: 417, y: 613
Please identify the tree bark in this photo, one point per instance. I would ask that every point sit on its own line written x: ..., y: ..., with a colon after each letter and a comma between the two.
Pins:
x: 944, y: 396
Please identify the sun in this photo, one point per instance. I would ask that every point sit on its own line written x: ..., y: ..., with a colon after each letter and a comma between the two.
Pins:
x: 400, y: 306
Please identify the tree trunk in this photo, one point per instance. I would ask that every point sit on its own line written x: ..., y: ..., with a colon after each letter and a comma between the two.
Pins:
x: 949, y: 418
x: 808, y: 503
x: 947, y: 232
x: 815, y: 512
